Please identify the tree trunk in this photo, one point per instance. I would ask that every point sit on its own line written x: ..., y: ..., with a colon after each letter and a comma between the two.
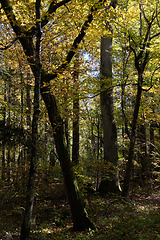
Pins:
x: 108, y: 122
x: 80, y: 218
x: 4, y: 136
x: 142, y: 154
x: 127, y: 178
x: 111, y: 183
x: 25, y: 230
x: 79, y: 215
x: 75, y: 144
x: 9, y: 127
x: 28, y: 100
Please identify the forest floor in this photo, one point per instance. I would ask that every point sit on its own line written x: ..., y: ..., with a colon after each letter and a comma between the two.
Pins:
x: 114, y: 218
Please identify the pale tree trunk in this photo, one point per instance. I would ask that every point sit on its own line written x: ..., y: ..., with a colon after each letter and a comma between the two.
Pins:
x: 109, y: 183
x: 108, y: 123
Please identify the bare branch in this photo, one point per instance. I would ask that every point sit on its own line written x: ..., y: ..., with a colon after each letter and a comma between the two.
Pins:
x: 157, y: 13
x: 153, y: 73
x: 143, y: 12
x: 147, y: 90
x: 155, y: 35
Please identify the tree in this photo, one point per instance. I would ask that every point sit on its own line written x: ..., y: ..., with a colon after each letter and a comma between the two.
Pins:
x: 140, y: 45
x: 26, y: 37
x: 25, y: 230
x: 111, y: 182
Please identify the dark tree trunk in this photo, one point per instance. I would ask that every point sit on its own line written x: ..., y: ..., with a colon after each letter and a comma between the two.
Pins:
x: 75, y: 144
x: 52, y: 158
x: 127, y: 178
x: 151, y: 148
x: 3, y: 159
x: 28, y: 100
x: 4, y: 137
x: 28, y: 117
x: 25, y: 230
x: 142, y: 154
x: 79, y: 215
x: 9, y: 126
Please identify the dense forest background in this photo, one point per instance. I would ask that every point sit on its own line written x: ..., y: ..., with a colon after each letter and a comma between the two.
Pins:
x: 79, y: 119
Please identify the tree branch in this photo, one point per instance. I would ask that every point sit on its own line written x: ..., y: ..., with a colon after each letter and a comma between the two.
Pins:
x: 143, y: 12
x: 147, y: 90
x: 8, y: 45
x: 25, y: 37
x: 7, y: 7
x: 76, y: 42
x: 156, y: 35
x: 46, y: 17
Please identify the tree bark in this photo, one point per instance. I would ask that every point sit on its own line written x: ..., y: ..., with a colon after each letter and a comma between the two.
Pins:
x: 79, y: 215
x: 75, y: 144
x: 142, y: 154
x: 111, y: 182
x: 127, y: 178
x: 25, y: 230
x: 108, y: 122
x: 4, y: 136
x: 9, y: 127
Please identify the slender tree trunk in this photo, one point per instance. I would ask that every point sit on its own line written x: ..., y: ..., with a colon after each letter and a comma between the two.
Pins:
x: 75, y: 144
x: 151, y: 148
x: 9, y: 126
x: 142, y: 153
x: 127, y: 178
x: 3, y: 159
x: 28, y: 100
x: 25, y: 230
x: 28, y: 117
x: 4, y: 137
